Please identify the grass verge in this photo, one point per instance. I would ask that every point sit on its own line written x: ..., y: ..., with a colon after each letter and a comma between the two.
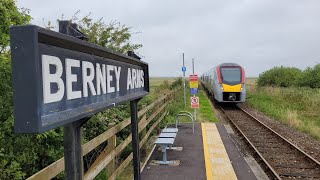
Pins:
x: 296, y: 107
x: 206, y: 108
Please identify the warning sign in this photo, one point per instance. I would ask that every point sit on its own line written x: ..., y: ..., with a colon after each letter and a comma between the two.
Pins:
x: 194, y: 102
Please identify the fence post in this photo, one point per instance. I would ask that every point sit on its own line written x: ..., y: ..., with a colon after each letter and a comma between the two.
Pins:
x: 157, y: 116
x: 143, y: 134
x: 112, y: 144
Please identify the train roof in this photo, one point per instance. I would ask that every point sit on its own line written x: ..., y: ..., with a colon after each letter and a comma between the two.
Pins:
x: 229, y: 64
x: 223, y: 65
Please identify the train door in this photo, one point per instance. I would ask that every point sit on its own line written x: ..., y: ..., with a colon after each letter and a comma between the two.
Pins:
x: 215, y: 84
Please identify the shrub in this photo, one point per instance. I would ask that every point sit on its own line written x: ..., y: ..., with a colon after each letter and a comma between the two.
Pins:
x: 310, y: 77
x: 279, y: 76
x: 176, y: 83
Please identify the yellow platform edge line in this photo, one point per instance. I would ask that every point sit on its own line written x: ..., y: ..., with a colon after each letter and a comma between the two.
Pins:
x: 206, y: 154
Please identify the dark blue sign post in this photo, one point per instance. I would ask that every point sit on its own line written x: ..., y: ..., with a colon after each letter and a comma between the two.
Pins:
x: 60, y: 80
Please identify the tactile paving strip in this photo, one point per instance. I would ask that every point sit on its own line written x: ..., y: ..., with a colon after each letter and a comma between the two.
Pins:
x: 218, y: 164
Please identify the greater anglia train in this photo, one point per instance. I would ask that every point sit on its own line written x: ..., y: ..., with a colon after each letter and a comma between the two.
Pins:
x: 226, y: 83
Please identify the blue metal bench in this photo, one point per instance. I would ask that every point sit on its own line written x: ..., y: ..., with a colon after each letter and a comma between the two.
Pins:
x: 164, y: 143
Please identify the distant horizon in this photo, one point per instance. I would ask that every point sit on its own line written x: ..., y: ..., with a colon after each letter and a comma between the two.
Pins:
x: 186, y: 77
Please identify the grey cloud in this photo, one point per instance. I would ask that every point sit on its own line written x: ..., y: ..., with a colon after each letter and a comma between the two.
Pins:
x: 257, y: 34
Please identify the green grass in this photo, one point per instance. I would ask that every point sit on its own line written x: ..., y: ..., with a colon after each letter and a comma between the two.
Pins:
x: 156, y: 81
x: 157, y: 84
x: 206, y: 108
x: 296, y: 107
x: 205, y: 112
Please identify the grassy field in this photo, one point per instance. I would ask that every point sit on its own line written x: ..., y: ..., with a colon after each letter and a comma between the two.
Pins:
x: 154, y: 81
x: 158, y: 84
x: 296, y: 107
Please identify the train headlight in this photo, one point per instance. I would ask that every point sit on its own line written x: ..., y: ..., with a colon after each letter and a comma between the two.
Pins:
x: 221, y: 87
x: 241, y: 87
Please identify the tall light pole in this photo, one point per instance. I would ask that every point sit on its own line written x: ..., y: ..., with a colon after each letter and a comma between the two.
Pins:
x: 192, y: 66
x: 195, y: 111
x: 184, y: 82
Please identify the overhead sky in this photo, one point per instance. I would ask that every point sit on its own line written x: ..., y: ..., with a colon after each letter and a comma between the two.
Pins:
x: 257, y: 34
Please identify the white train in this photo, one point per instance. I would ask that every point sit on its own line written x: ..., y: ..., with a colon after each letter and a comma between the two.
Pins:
x: 226, y: 83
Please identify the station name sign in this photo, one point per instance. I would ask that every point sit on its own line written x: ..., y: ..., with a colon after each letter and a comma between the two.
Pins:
x: 58, y: 79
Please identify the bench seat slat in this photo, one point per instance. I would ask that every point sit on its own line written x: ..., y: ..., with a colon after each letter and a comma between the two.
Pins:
x: 167, y: 135
x: 170, y: 130
x: 164, y: 141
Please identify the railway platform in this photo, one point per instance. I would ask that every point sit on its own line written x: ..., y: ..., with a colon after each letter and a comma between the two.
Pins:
x: 209, y: 153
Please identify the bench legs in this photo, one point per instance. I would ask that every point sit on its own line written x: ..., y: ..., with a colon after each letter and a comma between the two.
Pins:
x: 164, y: 156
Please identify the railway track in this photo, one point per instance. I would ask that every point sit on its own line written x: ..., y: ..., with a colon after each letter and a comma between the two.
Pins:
x: 284, y: 159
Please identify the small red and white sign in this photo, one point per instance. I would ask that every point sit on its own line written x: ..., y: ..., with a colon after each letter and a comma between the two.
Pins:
x: 194, y: 102
x: 193, y: 77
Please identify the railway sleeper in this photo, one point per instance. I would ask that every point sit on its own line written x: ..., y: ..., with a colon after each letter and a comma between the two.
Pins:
x: 281, y: 158
x: 270, y: 142
x: 249, y: 131
x: 265, y: 134
x: 265, y: 140
x: 297, y: 175
x: 297, y: 166
x: 284, y: 153
x: 273, y: 147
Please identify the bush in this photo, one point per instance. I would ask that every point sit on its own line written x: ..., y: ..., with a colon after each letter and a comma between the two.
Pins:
x: 279, y: 76
x: 176, y: 83
x: 290, y: 77
x: 310, y: 77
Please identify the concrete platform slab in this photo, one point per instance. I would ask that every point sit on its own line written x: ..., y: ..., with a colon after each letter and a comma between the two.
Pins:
x: 191, y: 158
x: 225, y: 160
x: 240, y: 166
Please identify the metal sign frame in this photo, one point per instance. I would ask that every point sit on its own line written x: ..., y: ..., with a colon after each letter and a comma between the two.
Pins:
x: 28, y: 44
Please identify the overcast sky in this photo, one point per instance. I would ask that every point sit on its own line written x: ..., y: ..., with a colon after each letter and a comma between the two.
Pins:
x: 256, y: 34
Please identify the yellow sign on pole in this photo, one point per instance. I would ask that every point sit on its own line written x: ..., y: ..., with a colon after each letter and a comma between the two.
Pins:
x: 193, y: 84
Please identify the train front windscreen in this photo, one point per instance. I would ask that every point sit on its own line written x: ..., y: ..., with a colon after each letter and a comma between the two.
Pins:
x: 230, y: 75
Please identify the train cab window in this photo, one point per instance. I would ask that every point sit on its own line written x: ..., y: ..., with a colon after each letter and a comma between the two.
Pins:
x: 230, y: 75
